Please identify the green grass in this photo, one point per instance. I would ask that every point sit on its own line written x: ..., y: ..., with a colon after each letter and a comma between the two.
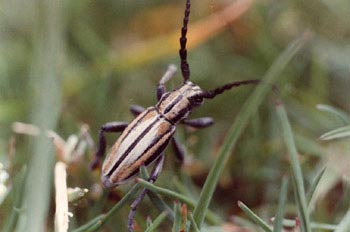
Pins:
x: 66, y: 66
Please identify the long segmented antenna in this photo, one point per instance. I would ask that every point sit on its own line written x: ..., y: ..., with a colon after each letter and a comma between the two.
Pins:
x: 221, y: 89
x: 185, y: 69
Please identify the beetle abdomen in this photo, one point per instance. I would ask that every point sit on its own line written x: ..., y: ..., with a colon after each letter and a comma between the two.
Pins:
x: 140, y: 143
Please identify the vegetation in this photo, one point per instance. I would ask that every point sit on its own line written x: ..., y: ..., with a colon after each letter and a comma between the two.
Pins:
x: 275, y: 160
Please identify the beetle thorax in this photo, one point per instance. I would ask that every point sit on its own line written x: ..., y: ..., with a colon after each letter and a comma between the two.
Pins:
x: 177, y: 104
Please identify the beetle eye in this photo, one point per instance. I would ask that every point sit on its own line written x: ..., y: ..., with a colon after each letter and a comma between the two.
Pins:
x: 196, y: 100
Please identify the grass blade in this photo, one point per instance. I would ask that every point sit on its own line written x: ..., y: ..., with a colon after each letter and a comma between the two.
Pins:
x: 296, y: 169
x: 17, y: 191
x: 157, y: 221
x: 177, y: 218
x: 210, y: 216
x: 193, y: 223
x: 46, y: 106
x: 254, y: 217
x: 344, y: 225
x: 282, y: 200
x: 96, y: 223
x: 336, y: 133
x: 242, y: 119
x: 344, y: 118
x: 314, y: 185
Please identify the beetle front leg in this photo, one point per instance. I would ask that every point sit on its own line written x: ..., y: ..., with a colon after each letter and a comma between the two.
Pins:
x: 170, y: 72
x: 153, y: 177
x: 199, y: 122
x: 110, y: 127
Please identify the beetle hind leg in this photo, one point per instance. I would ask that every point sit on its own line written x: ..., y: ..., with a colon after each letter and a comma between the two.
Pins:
x: 110, y: 127
x: 153, y: 177
x: 178, y: 149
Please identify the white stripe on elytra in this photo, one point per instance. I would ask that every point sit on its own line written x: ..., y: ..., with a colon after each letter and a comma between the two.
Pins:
x: 141, y: 146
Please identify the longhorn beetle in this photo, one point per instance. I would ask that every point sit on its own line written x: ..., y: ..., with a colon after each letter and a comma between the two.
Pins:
x: 143, y: 140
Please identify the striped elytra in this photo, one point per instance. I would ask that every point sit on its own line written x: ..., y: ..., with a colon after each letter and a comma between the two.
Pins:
x: 147, y: 135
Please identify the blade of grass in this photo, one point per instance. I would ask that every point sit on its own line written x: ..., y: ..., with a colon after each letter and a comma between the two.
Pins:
x: 157, y: 221
x: 96, y: 223
x: 296, y: 169
x: 210, y: 216
x: 177, y: 218
x: 242, y: 119
x: 47, y: 41
x: 336, y: 133
x: 344, y: 225
x: 184, y: 217
x: 323, y: 226
x: 17, y: 191
x: 254, y: 217
x: 344, y: 118
x: 193, y: 223
x: 160, y: 204
x: 92, y: 225
x: 282, y: 200
x: 314, y: 225
x: 313, y: 186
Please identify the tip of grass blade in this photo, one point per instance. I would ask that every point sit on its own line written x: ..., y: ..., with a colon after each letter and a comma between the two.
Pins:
x: 296, y: 168
x: 255, y: 218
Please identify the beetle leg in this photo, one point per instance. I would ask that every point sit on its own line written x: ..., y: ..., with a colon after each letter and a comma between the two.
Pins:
x: 108, y: 127
x: 161, y: 89
x: 199, y: 122
x: 178, y: 149
x: 153, y: 177
x: 136, y: 109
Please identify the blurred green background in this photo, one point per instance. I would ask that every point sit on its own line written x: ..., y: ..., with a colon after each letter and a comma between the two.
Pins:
x: 64, y: 64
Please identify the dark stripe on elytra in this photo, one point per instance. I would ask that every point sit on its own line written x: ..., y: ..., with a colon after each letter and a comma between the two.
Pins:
x: 153, y: 157
x: 132, y: 146
x: 138, y: 121
x: 173, y: 103
x: 180, y: 114
x: 155, y: 141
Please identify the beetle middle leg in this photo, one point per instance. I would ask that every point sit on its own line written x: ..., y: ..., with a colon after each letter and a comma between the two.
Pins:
x: 136, y: 110
x: 199, y: 122
x: 153, y: 177
x: 195, y: 123
x: 110, y: 127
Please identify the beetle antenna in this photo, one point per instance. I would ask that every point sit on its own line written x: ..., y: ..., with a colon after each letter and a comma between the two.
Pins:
x: 221, y: 89
x: 185, y: 69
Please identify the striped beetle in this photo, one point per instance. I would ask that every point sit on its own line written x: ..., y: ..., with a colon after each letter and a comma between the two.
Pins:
x: 145, y: 138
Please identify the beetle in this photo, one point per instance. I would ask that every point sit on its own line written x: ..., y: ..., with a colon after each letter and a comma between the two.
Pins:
x: 144, y: 140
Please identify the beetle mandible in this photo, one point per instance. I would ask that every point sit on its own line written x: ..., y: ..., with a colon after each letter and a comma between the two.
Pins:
x: 145, y: 138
